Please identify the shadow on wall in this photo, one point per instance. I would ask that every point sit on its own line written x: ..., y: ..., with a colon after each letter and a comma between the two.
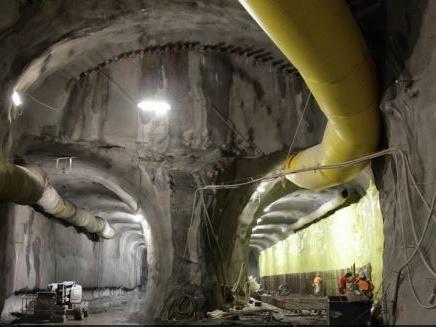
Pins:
x: 6, y: 257
x: 391, y: 29
x: 253, y: 264
x: 403, y: 21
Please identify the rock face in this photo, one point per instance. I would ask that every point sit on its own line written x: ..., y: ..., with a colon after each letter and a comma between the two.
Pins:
x: 234, y: 107
x: 409, y: 116
x: 82, y: 66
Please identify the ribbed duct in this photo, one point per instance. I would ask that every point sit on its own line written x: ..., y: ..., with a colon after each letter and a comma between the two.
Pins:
x: 29, y: 185
x: 322, y: 40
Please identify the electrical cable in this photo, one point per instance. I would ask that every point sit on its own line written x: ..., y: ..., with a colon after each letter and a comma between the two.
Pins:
x: 42, y: 103
x: 273, y: 176
x: 409, y: 211
x: 424, y: 231
x: 298, y: 125
x: 185, y: 253
x: 209, y: 227
x: 119, y: 87
x: 130, y: 99
x: 406, y: 174
x: 215, y: 238
x: 410, y: 176
x: 227, y: 122
x: 414, y: 293
x: 302, y: 170
x: 179, y: 310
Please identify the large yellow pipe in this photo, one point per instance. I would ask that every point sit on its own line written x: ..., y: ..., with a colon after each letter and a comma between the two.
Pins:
x: 322, y: 40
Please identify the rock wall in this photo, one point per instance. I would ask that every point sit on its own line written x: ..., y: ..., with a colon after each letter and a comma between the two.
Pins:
x: 39, y: 251
x: 208, y: 90
x: 224, y: 106
x: 408, y: 76
x: 47, y: 251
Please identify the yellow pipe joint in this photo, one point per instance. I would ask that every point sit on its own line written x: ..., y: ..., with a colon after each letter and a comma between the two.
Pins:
x: 322, y: 40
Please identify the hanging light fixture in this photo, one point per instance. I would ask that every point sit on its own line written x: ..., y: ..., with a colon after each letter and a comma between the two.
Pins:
x: 159, y: 107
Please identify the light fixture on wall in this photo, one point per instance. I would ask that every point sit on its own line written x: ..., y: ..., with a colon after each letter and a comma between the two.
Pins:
x: 159, y: 107
x: 16, y: 99
x: 137, y: 218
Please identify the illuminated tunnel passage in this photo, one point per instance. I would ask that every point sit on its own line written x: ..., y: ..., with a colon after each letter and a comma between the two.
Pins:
x: 351, y: 236
x: 193, y: 161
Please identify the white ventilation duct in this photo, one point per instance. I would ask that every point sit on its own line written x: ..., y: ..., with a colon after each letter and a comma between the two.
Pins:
x: 29, y: 185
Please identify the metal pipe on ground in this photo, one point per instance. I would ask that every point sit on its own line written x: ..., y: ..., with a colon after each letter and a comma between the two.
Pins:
x: 29, y: 186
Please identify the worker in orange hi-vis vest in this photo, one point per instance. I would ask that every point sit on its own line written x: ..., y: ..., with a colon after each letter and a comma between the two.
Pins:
x: 365, y: 286
x: 317, y: 284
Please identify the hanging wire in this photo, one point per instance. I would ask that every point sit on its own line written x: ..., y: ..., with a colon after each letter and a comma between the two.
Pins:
x: 209, y: 225
x: 42, y: 103
x: 282, y: 173
x: 291, y: 147
x: 405, y: 177
x: 126, y: 95
x: 231, y: 125
x: 404, y: 174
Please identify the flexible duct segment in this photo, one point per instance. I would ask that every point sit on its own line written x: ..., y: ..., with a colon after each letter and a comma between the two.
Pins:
x: 324, y: 43
x: 28, y: 185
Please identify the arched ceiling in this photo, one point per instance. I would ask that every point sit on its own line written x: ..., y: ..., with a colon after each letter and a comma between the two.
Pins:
x: 71, y: 37
x: 48, y: 44
x: 280, y: 215
x: 91, y: 187
x: 54, y: 50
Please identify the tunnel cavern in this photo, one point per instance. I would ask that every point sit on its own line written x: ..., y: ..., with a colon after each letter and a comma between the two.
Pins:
x: 218, y: 162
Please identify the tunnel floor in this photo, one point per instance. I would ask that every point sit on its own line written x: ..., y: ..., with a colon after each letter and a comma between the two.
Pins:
x: 110, y: 310
x: 127, y: 310
x: 120, y: 310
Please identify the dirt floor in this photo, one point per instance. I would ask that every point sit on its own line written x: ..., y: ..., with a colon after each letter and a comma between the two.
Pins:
x: 127, y: 310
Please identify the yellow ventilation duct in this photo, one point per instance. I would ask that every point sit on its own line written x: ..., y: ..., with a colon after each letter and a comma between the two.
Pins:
x: 322, y: 40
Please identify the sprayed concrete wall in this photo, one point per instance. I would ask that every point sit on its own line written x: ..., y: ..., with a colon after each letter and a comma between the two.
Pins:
x: 351, y: 235
x: 404, y: 53
x: 160, y: 161
x: 408, y: 110
x: 207, y: 91
x: 46, y: 251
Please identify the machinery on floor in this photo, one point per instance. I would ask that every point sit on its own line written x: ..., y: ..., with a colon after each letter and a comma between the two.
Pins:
x: 61, y: 300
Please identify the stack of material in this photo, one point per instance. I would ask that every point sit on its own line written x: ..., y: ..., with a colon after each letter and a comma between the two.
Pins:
x: 296, y: 302
x: 46, y: 308
x: 249, y: 313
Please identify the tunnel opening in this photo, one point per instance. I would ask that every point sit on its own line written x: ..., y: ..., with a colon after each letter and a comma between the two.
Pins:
x: 186, y: 161
x: 293, y: 259
x: 53, y: 251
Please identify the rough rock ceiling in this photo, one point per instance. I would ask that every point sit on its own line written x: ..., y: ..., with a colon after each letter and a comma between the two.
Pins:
x: 52, y: 49
x: 84, y: 35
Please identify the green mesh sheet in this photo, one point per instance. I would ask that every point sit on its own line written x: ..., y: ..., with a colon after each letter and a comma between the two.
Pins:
x: 353, y: 234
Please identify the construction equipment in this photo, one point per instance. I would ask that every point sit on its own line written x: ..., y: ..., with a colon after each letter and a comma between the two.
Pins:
x: 59, y: 301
